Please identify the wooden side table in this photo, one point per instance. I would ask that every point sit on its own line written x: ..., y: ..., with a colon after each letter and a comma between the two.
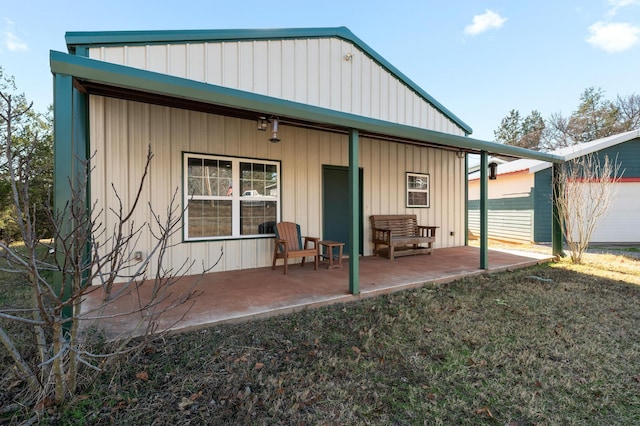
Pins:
x: 326, y: 252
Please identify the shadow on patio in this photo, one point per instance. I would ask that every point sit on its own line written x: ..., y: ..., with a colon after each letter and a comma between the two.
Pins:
x: 255, y: 293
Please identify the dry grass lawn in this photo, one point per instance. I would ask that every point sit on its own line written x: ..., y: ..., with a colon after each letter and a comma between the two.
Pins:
x: 552, y: 344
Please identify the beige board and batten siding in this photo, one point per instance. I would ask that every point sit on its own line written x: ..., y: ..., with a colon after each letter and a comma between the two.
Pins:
x: 122, y: 130
x: 313, y: 71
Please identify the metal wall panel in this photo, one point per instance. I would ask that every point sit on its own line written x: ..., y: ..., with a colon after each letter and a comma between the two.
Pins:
x: 505, y: 225
x: 618, y: 225
x: 121, y: 131
x: 330, y: 73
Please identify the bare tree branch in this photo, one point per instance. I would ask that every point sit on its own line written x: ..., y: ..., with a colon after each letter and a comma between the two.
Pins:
x: 585, y: 189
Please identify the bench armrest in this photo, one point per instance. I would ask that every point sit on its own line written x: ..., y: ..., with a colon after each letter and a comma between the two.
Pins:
x: 381, y: 234
x: 427, y: 231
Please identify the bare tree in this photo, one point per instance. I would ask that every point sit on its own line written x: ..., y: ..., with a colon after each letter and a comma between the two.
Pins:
x: 556, y: 133
x: 67, y: 338
x: 585, y: 188
x: 629, y: 112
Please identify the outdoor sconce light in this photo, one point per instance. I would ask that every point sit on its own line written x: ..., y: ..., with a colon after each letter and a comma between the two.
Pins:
x: 493, y: 171
x: 460, y: 154
x: 274, y: 131
x: 263, y: 123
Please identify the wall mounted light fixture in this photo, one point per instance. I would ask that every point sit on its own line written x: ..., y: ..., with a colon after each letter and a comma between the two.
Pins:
x: 461, y: 154
x: 274, y: 131
x: 263, y: 122
x: 493, y: 170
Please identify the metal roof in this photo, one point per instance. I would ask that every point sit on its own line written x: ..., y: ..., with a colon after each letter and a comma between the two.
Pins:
x: 567, y: 153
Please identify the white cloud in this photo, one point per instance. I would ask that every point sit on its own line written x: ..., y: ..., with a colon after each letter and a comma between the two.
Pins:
x: 9, y: 39
x: 616, y: 5
x: 485, y: 22
x: 614, y: 36
x: 14, y: 43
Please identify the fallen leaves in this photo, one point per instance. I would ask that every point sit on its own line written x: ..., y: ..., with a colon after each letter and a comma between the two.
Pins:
x: 186, y: 402
x: 142, y: 375
x: 484, y: 411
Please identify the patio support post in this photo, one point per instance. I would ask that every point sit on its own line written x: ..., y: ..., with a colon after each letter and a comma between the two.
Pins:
x: 556, y: 225
x: 354, y: 214
x: 484, y: 219
x: 70, y: 154
x: 466, y: 201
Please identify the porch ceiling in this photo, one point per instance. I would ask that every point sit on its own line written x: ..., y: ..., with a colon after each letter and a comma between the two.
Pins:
x: 108, y: 79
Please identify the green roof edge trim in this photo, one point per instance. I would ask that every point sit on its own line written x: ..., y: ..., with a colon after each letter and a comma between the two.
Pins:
x: 167, y: 85
x: 111, y: 38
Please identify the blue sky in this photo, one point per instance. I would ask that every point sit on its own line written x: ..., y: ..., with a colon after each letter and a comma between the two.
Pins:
x: 480, y: 59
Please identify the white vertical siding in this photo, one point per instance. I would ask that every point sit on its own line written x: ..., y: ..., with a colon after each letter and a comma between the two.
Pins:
x: 312, y: 71
x: 121, y: 131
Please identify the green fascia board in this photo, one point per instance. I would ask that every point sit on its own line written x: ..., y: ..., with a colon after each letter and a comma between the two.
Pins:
x: 177, y: 87
x: 115, y: 38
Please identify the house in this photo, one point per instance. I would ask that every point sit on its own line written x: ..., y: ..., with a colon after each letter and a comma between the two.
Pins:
x: 519, y: 205
x: 313, y: 119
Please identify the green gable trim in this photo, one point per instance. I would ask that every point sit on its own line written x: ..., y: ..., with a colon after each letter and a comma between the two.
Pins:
x: 166, y: 85
x: 76, y: 40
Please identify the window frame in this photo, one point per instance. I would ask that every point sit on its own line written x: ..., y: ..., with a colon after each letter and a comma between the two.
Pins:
x: 235, y: 197
x: 410, y: 190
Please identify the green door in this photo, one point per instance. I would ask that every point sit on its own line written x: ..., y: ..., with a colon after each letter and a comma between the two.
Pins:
x: 335, y: 205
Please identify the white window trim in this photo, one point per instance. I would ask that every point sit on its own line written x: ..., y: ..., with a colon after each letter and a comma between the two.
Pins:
x: 235, y: 197
x: 427, y: 191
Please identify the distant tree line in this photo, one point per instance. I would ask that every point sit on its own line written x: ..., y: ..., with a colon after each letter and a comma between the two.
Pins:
x: 595, y: 118
x: 31, y: 133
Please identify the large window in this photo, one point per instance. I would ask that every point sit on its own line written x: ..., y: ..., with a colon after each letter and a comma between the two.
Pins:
x: 229, y: 197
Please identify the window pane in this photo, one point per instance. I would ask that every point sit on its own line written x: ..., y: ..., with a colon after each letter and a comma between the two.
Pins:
x: 195, y: 167
x: 418, y: 198
x: 209, y: 218
x: 257, y: 217
x: 416, y: 182
x: 224, y: 169
x: 195, y: 186
x: 258, y: 172
x: 225, y: 187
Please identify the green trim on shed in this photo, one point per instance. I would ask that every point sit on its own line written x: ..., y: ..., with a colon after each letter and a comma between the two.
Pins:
x: 542, y: 213
x: 77, y: 40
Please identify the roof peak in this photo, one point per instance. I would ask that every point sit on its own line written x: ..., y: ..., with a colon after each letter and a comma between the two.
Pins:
x: 77, y: 41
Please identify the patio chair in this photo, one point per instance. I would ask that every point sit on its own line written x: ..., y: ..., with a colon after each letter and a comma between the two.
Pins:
x: 288, y: 244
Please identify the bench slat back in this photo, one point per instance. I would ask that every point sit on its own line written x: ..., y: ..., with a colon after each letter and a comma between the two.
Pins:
x: 400, y: 225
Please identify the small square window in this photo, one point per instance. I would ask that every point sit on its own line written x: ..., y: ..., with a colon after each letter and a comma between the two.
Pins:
x: 418, y: 189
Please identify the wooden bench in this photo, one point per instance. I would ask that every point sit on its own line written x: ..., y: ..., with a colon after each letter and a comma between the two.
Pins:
x: 401, y: 235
